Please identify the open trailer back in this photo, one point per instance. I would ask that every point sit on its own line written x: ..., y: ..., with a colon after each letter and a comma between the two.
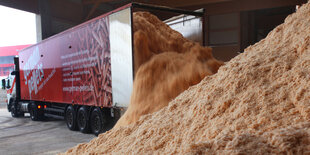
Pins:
x: 85, y: 74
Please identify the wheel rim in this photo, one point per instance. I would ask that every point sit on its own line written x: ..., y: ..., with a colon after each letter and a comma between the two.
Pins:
x: 82, y: 120
x: 69, y: 118
x: 13, y: 110
x: 96, y: 123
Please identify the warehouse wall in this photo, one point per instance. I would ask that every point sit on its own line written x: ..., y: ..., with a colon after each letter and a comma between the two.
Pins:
x: 234, y: 25
x: 224, y: 35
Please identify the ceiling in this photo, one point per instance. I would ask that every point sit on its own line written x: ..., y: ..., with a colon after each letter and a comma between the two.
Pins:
x: 82, y: 10
x: 63, y: 14
x: 79, y: 11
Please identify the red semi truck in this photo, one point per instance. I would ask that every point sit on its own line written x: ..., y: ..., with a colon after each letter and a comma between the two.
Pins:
x: 85, y: 74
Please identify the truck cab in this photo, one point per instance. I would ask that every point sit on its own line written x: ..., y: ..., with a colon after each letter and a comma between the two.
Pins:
x: 8, y: 84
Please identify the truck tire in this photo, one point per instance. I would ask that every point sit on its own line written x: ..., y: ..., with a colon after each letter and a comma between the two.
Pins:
x: 34, y: 115
x: 70, y: 117
x: 14, y: 110
x: 83, y: 119
x: 98, y: 121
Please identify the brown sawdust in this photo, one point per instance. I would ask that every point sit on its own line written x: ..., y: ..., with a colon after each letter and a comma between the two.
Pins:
x: 257, y: 103
x: 152, y: 36
x: 166, y: 64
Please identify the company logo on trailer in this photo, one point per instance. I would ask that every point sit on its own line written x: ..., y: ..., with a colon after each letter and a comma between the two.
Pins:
x: 33, y: 71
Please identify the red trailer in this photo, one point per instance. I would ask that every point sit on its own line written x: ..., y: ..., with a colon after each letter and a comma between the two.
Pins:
x: 85, y: 74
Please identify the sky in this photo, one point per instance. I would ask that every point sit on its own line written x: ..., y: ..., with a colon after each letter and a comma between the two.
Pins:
x: 16, y: 27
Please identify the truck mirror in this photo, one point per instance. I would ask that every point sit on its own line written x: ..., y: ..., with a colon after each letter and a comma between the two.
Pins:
x: 3, y: 83
x: 13, y: 73
x: 8, y: 86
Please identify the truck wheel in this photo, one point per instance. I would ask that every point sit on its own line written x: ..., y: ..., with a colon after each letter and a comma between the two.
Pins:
x: 71, y: 118
x: 14, y: 111
x: 82, y: 119
x: 97, y: 121
x: 33, y: 112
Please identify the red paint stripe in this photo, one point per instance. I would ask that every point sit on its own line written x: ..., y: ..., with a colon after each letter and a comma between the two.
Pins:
x: 11, y: 50
x: 6, y: 65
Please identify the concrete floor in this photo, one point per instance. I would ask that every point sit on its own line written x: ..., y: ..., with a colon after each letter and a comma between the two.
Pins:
x: 23, y: 136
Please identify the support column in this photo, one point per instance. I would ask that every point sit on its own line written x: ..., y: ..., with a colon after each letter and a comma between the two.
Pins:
x: 46, y: 19
x: 38, y: 28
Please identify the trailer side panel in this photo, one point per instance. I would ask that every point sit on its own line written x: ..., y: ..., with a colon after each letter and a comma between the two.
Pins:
x: 74, y: 67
